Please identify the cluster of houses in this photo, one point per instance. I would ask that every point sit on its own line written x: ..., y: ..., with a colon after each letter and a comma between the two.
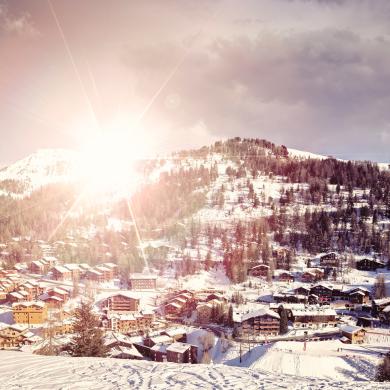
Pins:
x: 324, y: 293
x: 204, y: 303
x: 318, y: 269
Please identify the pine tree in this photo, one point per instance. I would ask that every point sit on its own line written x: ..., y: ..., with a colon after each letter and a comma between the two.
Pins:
x: 230, y: 321
x: 283, y: 320
x: 88, y: 340
x: 383, y: 372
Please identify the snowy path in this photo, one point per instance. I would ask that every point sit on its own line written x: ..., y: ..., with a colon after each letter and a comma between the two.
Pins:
x: 22, y: 370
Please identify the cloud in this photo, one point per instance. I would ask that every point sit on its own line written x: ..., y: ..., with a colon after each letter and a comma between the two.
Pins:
x: 306, y: 89
x: 21, y: 24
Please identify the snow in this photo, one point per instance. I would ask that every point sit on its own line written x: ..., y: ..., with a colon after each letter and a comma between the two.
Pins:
x: 322, y: 359
x: 305, y: 155
x: 24, y: 370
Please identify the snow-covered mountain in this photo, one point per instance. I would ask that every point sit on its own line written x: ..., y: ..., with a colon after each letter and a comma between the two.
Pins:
x: 43, y: 167
x: 47, y: 166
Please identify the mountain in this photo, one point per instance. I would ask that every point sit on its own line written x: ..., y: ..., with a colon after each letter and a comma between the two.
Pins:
x: 43, y: 167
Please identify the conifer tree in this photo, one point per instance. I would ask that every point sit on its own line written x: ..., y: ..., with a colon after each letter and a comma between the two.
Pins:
x: 88, y: 340
x: 283, y: 320
x: 383, y: 372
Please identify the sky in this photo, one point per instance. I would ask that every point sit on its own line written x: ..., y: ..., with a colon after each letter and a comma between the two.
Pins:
x: 310, y: 74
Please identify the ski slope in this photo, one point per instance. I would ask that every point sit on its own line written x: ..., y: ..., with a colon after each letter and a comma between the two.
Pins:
x: 26, y: 371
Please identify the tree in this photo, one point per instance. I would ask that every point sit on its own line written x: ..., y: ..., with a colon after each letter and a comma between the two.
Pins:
x: 380, y: 287
x: 208, y: 263
x: 283, y: 320
x: 383, y: 371
x: 207, y: 341
x: 230, y: 321
x: 88, y: 339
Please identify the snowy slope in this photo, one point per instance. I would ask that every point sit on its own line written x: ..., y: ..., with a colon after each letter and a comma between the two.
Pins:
x: 22, y: 370
x: 43, y: 167
x: 304, y: 155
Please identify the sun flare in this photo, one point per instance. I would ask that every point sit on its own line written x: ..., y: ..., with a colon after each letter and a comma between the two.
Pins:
x: 108, y: 160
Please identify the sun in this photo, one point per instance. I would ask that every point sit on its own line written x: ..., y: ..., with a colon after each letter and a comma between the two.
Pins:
x: 108, y: 160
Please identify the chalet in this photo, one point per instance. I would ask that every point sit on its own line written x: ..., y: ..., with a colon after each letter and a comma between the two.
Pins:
x: 18, y: 296
x: 50, y: 260
x: 52, y: 302
x: 290, y: 298
x: 261, y: 270
x: 120, y: 352
x: 74, y: 270
x: 59, y: 293
x: 58, y: 328
x: 352, y: 334
x: 380, y: 304
x: 204, y: 311
x: 178, y: 334
x: 329, y: 260
x: 181, y: 353
x: 385, y: 315
x: 107, y: 273
x: 95, y: 276
x: 323, y: 292
x: 142, y: 281
x: 314, y: 317
x: 12, y: 336
x: 369, y: 265
x: 258, y: 323
x: 173, y: 308
x: 61, y: 273
x: 113, y: 267
x: 312, y: 275
x: 40, y: 267
x: 302, y: 290
x: 84, y: 267
x: 358, y: 295
x: 32, y: 312
x: 121, y: 302
x: 285, y: 277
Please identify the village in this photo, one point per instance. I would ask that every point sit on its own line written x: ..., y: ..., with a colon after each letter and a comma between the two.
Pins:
x: 147, y: 317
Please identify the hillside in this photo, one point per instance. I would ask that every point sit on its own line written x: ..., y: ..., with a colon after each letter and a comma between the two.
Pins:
x: 21, y: 370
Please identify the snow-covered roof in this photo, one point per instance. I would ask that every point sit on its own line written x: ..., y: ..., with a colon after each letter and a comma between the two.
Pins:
x: 142, y: 276
x: 314, y: 311
x: 178, y: 347
x: 259, y: 313
x: 350, y: 329
x: 28, y: 304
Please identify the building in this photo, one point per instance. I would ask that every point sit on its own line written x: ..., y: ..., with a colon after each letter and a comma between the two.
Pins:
x: 261, y: 270
x: 323, y: 292
x: 142, y: 281
x: 262, y: 322
x: 120, y: 302
x: 107, y: 273
x: 74, y: 270
x: 314, y: 317
x: 352, y: 334
x: 312, y: 275
x: 182, y: 353
x: 131, y: 322
x: 205, y: 311
x: 13, y: 336
x: 369, y: 265
x: 94, y: 276
x: 329, y: 260
x: 285, y: 276
x: 32, y: 312
x: 61, y: 273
